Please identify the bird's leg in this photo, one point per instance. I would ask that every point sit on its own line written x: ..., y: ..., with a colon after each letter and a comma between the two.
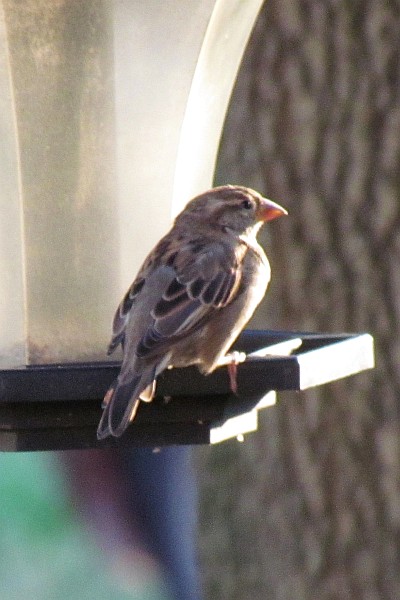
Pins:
x: 232, y: 360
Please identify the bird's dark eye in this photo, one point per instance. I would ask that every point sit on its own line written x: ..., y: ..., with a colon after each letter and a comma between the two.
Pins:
x: 247, y: 204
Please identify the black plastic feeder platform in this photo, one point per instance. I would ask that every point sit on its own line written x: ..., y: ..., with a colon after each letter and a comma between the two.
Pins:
x: 58, y: 407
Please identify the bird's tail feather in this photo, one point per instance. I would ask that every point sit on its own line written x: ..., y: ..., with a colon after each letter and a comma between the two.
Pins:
x: 122, y: 403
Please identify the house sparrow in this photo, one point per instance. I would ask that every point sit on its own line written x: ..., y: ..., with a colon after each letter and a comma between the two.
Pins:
x: 191, y: 298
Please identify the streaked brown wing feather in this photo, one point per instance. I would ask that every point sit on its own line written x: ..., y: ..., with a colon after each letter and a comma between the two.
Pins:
x: 121, y: 316
x: 203, y: 284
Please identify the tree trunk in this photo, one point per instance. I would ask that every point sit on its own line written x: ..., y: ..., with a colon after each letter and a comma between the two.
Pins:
x: 309, y: 507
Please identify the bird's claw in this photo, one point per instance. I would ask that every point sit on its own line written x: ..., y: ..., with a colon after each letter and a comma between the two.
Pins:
x: 233, y: 357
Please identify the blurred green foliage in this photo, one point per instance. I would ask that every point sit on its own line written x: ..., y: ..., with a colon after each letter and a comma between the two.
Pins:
x: 45, y: 550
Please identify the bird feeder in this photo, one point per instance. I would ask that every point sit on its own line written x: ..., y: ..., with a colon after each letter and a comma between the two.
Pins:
x: 111, y: 115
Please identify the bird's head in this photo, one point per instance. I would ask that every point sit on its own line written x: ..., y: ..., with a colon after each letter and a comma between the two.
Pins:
x: 232, y: 208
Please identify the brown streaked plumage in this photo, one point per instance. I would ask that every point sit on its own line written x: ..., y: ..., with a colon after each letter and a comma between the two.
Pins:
x: 191, y: 298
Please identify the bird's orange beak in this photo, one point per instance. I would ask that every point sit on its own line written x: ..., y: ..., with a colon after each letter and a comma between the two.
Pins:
x: 268, y: 210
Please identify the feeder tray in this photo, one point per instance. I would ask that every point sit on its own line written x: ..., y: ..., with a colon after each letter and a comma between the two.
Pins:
x: 58, y: 407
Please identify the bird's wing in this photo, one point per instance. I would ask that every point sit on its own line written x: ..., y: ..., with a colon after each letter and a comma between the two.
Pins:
x: 123, y: 312
x: 188, y: 286
x: 203, y: 282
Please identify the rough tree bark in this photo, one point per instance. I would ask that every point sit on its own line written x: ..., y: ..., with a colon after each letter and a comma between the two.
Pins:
x: 309, y: 507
